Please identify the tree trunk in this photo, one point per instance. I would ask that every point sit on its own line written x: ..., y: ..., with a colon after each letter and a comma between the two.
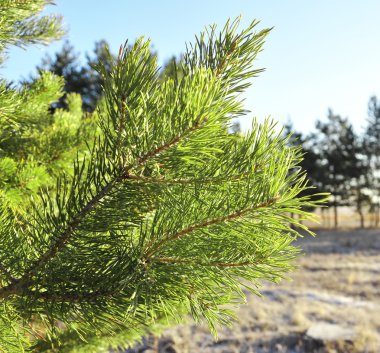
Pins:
x: 328, y: 218
x: 300, y: 219
x: 361, y: 218
x: 323, y: 217
x: 292, y: 217
x: 359, y: 208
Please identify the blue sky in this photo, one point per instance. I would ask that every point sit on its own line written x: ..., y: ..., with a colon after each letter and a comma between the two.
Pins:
x: 320, y: 54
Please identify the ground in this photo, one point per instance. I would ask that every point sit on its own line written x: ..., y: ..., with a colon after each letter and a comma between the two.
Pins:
x: 332, y: 305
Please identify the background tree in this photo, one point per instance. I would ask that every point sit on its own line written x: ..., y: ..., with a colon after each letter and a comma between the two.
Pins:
x: 339, y: 159
x: 336, y: 157
x: 172, y: 68
x: 360, y: 174
x: 84, y: 79
x: 165, y: 215
x: 311, y: 162
x: 372, y: 150
x: 81, y: 79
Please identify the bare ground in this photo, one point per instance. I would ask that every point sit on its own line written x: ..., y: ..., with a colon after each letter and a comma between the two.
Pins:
x: 332, y: 305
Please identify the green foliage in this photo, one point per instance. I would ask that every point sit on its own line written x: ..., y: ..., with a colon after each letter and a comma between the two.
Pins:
x: 20, y: 24
x: 166, y: 214
x: 23, y: 112
x: 27, y: 106
x: 35, y: 145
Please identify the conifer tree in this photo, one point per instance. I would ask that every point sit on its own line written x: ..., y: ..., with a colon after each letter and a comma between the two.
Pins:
x: 81, y: 79
x: 84, y: 79
x: 337, y: 149
x: 372, y: 150
x: 167, y: 214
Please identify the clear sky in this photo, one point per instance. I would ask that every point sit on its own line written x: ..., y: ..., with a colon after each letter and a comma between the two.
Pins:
x: 320, y: 54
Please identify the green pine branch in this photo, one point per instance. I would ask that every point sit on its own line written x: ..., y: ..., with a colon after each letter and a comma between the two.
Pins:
x: 21, y: 25
x: 167, y: 213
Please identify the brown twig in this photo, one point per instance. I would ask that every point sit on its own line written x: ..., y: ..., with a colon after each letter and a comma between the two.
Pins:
x: 121, y: 128
x: 222, y: 65
x: 72, y: 297
x: 168, y: 260
x: 143, y: 159
x: 185, y: 181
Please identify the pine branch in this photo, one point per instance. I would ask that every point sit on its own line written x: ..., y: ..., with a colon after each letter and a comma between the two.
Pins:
x: 144, y: 159
x: 62, y: 239
x: 95, y: 257
x: 151, y: 249
x: 19, y: 285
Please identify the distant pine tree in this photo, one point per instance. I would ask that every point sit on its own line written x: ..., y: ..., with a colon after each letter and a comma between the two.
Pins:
x: 372, y: 151
x: 166, y: 214
x: 84, y: 79
x: 340, y: 166
x: 78, y: 78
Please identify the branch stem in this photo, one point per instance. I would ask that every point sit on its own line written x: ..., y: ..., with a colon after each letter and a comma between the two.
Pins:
x: 186, y: 181
x: 168, y: 260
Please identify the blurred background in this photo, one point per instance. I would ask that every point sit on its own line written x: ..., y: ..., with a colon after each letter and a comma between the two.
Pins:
x: 322, y: 83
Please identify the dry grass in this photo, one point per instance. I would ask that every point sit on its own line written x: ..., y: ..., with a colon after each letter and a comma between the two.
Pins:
x: 348, y: 218
x: 337, y: 283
